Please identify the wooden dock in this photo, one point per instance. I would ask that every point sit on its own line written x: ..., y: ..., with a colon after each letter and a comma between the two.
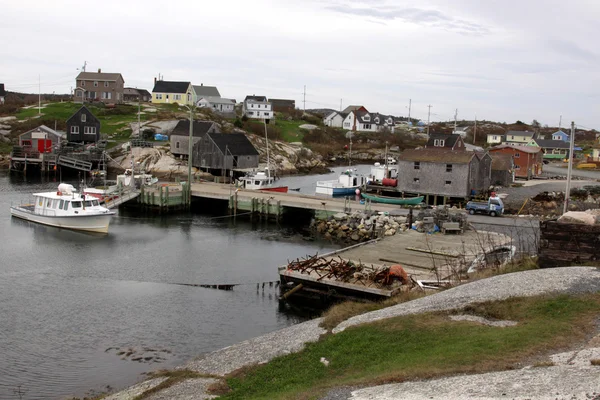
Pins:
x: 425, y: 258
x: 272, y: 204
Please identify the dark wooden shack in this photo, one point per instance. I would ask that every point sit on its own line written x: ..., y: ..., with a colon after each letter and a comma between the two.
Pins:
x: 562, y: 245
x: 83, y: 126
x: 225, y: 151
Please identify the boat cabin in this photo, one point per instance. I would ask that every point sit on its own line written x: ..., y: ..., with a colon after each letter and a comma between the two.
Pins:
x: 256, y: 181
x: 60, y: 204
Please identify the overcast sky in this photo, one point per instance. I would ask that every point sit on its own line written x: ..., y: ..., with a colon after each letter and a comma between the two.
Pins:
x: 501, y: 60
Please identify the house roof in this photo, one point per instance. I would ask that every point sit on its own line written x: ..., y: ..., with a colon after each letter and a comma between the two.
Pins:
x: 83, y: 108
x: 216, y: 100
x: 256, y: 98
x: 45, y: 129
x: 283, y: 102
x: 502, y: 162
x: 200, y: 128
x: 136, y: 91
x: 552, y: 144
x: 522, y: 149
x: 472, y: 147
x: 560, y: 132
x: 449, y: 140
x: 236, y: 144
x: 170, y: 87
x: 202, y: 91
x: 349, y: 109
x: 439, y: 155
x: 520, y: 133
x: 2, y: 91
x: 99, y: 76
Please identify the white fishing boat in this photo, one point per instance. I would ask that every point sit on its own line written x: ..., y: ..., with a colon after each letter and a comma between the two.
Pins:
x: 380, y: 172
x: 260, y: 180
x: 346, y: 184
x: 66, y: 209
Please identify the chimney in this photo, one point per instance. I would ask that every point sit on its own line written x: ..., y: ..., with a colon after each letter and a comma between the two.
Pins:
x: 99, y: 70
x: 155, y: 81
x: 202, y: 84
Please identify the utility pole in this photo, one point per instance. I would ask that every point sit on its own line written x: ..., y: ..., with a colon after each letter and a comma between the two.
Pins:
x: 304, y: 99
x: 455, y: 117
x: 559, y: 122
x: 340, y: 105
x: 428, y: 119
x: 190, y: 151
x: 409, y: 105
x: 568, y: 190
x: 475, y: 130
x: 139, y: 122
x: 39, y: 94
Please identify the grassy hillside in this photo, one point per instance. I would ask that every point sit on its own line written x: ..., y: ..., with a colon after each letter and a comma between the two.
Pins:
x: 423, y: 346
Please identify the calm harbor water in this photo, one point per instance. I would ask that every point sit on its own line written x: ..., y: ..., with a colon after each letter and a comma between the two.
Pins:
x: 78, y: 311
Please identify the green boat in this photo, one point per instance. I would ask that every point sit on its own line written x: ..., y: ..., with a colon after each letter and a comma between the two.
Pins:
x: 403, y: 201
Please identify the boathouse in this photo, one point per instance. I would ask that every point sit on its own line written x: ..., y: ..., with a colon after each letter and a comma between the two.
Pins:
x: 527, y: 160
x: 83, y: 126
x: 225, y: 151
x: 442, y: 174
x: 41, y: 139
x: 180, y: 137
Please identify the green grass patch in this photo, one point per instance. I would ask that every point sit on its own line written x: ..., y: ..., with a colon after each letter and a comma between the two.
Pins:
x: 290, y: 131
x: 5, y: 148
x: 58, y: 111
x: 422, y: 346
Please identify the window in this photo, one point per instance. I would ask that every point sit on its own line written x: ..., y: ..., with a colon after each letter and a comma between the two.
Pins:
x: 78, y: 93
x: 83, y: 117
x: 41, y: 202
x: 66, y: 206
x: 48, y: 204
x: 512, y: 137
x: 367, y: 118
x: 417, y: 165
x: 367, y: 126
x: 177, y: 145
x: 61, y: 204
x: 106, y: 95
x: 448, y: 182
x: 105, y: 84
x: 416, y: 180
x: 517, y: 167
x: 251, y: 112
x: 517, y: 155
x: 95, y: 83
x: 177, y: 97
x: 75, y: 129
x: 438, y: 143
x: 158, y: 96
x: 495, y: 138
x: 89, y: 130
x: 95, y: 203
x: 82, y: 83
x: 166, y: 97
x: 76, y: 204
x: 88, y: 203
x: 448, y: 167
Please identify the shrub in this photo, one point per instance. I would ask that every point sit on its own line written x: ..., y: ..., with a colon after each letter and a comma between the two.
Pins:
x: 238, y: 123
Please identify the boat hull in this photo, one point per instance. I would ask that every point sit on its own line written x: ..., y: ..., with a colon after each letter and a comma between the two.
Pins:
x: 336, y: 191
x: 412, y: 201
x: 279, y: 189
x: 86, y: 223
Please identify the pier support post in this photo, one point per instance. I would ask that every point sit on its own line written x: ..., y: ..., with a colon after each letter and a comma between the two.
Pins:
x: 167, y: 197
x: 278, y: 210
x: 235, y: 204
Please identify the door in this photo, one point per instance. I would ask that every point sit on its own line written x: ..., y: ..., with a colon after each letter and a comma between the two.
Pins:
x: 44, y: 145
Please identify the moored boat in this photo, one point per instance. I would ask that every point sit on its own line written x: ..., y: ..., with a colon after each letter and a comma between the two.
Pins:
x: 66, y: 209
x: 346, y: 184
x: 407, y: 201
x: 385, y: 175
x: 260, y: 181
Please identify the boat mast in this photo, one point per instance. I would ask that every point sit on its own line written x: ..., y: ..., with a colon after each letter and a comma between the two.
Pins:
x: 350, y: 152
x: 267, y: 143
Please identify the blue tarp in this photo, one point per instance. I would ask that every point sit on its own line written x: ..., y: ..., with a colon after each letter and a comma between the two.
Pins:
x: 160, y: 137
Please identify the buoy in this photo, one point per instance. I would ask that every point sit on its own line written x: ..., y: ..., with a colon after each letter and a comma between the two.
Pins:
x: 357, y: 191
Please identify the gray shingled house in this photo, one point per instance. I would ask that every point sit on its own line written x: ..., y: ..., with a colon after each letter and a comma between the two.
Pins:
x: 443, y: 173
x: 180, y: 136
x: 225, y: 151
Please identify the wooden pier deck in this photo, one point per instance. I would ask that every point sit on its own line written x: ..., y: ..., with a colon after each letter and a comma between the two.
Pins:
x: 272, y: 203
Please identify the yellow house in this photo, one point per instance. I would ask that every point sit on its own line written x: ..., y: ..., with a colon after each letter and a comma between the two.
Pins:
x: 166, y: 92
